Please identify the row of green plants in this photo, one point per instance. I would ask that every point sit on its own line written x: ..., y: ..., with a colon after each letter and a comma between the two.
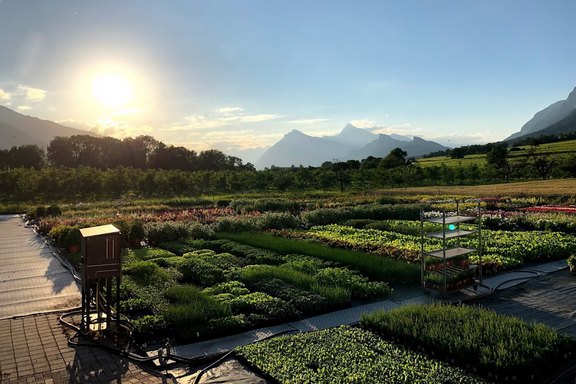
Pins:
x: 348, y: 355
x: 475, y: 338
x: 375, y: 266
x: 323, y: 216
x: 217, y: 287
x: 501, y: 249
x: 533, y: 221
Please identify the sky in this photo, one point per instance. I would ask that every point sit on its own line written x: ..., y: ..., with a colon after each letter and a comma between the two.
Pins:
x: 239, y: 74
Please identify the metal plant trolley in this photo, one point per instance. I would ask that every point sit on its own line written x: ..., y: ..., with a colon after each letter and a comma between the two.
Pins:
x: 101, y: 270
x: 448, y: 268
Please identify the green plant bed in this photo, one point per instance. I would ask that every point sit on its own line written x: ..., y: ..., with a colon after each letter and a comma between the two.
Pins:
x: 498, y: 344
x: 347, y: 355
x: 375, y: 266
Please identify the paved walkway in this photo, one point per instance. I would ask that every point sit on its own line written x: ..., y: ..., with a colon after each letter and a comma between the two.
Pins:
x: 34, y: 349
x: 31, y: 278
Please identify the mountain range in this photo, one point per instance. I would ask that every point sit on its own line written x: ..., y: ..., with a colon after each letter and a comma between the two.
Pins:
x: 297, y: 148
x: 17, y: 129
x: 352, y: 143
x: 559, y: 117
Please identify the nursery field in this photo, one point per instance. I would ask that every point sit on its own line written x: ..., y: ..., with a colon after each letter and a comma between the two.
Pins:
x: 411, y: 345
x: 196, y: 268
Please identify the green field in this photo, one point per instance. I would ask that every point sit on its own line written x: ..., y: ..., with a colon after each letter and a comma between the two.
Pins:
x: 560, y: 150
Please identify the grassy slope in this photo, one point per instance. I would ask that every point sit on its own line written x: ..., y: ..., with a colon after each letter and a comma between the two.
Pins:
x: 549, y: 188
x: 560, y: 149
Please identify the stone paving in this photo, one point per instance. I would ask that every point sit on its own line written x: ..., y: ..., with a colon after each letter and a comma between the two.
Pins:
x: 34, y: 349
x: 32, y: 280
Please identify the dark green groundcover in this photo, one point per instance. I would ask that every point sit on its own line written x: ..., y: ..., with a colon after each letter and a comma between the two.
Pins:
x: 348, y: 355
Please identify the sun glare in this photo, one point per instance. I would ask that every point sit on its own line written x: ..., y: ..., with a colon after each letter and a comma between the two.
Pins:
x: 112, y: 91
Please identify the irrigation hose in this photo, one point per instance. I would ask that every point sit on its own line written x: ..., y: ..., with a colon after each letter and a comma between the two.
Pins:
x: 496, y: 288
x: 232, y: 352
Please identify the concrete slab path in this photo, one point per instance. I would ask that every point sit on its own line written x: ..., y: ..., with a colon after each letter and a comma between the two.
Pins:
x: 32, y: 280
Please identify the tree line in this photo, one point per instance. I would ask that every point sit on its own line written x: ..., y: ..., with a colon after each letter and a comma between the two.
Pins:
x: 142, y: 152
x: 25, y: 175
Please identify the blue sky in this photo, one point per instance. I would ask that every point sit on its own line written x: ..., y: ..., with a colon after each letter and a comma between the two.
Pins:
x: 239, y: 74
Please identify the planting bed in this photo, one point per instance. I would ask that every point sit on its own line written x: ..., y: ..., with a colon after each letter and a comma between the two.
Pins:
x: 476, y: 338
x: 348, y: 355
x: 501, y: 249
x: 219, y: 287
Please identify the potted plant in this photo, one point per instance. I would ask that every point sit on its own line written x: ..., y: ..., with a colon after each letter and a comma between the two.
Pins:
x: 72, y: 240
x: 136, y: 233
x: 572, y: 264
x: 434, y: 281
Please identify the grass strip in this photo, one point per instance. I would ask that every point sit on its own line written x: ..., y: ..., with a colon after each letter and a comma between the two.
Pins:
x: 374, y: 266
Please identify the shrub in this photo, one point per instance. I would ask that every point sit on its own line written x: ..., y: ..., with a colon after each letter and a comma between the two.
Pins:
x: 347, y: 355
x: 136, y: 233
x: 252, y: 255
x: 65, y: 235
x: 167, y: 262
x: 268, y: 308
x: 149, y: 325
x: 572, y: 263
x: 40, y: 212
x: 269, y: 220
x: 146, y: 273
x: 335, y: 295
x: 147, y: 253
x: 235, y: 288
x: 266, y: 205
x: 359, y: 286
x: 324, y: 216
x: 53, y: 211
x: 170, y: 231
x: 272, y: 220
x: 201, y: 272
x: 474, y: 336
x: 192, y: 310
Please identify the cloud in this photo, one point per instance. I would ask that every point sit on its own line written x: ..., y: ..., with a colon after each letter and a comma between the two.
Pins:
x: 5, y: 96
x: 308, y: 121
x: 363, y: 123
x: 252, y: 118
x: 225, y: 116
x: 107, y: 126
x: 23, y: 108
x: 31, y: 94
x: 405, y: 129
x: 455, y: 140
x: 228, y: 110
x: 228, y: 141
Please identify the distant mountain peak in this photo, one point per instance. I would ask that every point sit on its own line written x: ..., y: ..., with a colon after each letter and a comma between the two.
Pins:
x: 550, y: 115
x: 349, y: 127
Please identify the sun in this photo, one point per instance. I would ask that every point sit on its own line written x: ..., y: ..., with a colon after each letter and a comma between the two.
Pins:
x: 112, y: 91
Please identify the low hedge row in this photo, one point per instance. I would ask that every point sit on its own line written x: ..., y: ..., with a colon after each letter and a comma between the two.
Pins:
x: 476, y: 337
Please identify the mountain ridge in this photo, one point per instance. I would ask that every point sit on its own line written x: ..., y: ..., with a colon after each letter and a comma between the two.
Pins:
x: 548, y: 116
x: 17, y: 129
x: 352, y: 143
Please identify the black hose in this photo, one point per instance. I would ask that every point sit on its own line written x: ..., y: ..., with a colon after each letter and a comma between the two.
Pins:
x: 232, y: 352
x: 494, y: 289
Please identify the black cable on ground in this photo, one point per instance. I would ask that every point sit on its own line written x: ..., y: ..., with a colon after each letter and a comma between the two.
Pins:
x: 494, y: 289
x: 232, y: 352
